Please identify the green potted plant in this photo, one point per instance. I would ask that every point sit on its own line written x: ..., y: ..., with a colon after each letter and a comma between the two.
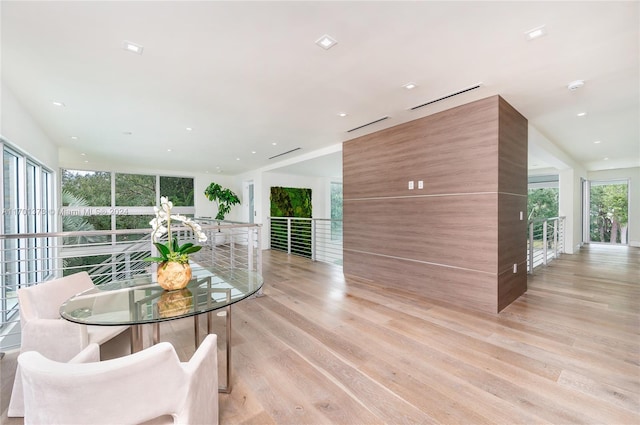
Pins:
x: 225, y: 199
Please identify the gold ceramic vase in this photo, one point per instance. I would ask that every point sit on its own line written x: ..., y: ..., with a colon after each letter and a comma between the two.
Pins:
x: 173, y: 275
x: 175, y: 303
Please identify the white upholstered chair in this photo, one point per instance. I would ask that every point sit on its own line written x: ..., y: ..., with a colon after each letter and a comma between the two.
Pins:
x: 150, y: 385
x: 57, y: 339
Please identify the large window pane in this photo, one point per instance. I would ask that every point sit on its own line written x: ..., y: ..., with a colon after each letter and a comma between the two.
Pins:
x: 32, y: 212
x: 86, y: 188
x: 10, y: 252
x: 336, y: 211
x: 542, y: 203
x: 179, y: 190
x: 135, y: 190
x: 609, y: 211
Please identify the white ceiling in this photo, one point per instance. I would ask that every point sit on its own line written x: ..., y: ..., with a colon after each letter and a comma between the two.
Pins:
x: 245, y: 75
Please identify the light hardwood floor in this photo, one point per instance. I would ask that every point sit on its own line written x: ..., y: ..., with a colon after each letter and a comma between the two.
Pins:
x: 322, y: 349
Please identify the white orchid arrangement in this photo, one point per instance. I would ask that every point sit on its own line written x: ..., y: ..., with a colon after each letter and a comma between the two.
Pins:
x: 161, y: 225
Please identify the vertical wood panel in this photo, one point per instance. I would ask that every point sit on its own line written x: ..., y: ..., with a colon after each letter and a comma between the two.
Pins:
x: 513, y: 146
x: 426, y: 226
x: 452, y: 239
x: 466, y: 288
x: 454, y: 151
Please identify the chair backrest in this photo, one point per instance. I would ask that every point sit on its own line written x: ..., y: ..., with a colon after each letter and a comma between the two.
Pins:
x: 131, y: 389
x: 43, y: 301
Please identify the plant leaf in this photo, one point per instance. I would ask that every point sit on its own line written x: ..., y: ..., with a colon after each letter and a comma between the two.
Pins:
x: 155, y: 259
x: 164, y: 250
x: 185, y: 246
x: 191, y: 250
x: 175, y: 244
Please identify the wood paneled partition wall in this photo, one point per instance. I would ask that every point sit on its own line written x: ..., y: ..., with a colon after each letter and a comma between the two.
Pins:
x: 458, y: 238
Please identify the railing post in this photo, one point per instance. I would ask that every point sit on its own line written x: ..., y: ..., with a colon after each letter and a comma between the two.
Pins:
x: 127, y: 265
x: 288, y: 235
x: 313, y: 240
x: 544, y: 241
x: 563, y: 227
x: 250, y: 249
x: 555, y: 238
x: 531, y: 247
x: 232, y: 250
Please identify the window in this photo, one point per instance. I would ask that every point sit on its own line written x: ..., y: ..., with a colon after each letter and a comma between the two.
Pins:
x: 336, y: 211
x: 542, y: 201
x: 28, y: 207
x: 609, y: 211
x: 87, y: 195
x: 179, y: 190
x: 135, y: 190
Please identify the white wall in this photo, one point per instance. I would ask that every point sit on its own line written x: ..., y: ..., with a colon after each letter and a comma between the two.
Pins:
x: 569, y: 206
x: 633, y: 175
x: 20, y: 130
x: 569, y: 172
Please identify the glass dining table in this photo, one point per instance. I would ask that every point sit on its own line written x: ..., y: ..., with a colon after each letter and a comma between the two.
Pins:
x: 140, y: 301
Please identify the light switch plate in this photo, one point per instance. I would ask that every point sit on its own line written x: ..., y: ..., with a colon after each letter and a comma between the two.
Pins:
x: 411, y: 185
x: 420, y: 184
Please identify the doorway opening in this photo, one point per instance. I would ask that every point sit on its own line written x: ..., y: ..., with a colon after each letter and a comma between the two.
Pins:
x: 606, y: 212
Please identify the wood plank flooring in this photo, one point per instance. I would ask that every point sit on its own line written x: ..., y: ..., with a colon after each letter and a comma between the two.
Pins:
x: 319, y: 348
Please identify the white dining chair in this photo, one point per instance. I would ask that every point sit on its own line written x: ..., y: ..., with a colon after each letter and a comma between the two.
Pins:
x: 57, y: 339
x: 150, y: 385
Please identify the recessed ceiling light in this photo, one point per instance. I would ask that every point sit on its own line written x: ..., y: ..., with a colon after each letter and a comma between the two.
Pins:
x: 326, y: 42
x: 581, y: 114
x: 606, y: 159
x: 189, y: 129
x: 132, y: 47
x: 237, y: 159
x: 274, y: 143
x: 536, y: 32
x: 83, y: 154
x: 56, y: 103
x: 575, y: 85
x: 342, y: 114
x: 410, y: 86
x: 74, y: 137
x: 86, y: 160
x: 597, y: 142
x: 169, y: 150
x: 253, y: 151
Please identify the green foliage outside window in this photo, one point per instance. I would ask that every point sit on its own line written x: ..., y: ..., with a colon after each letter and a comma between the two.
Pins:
x: 135, y: 190
x: 178, y: 189
x: 336, y: 211
x: 609, y: 213
x: 542, y: 203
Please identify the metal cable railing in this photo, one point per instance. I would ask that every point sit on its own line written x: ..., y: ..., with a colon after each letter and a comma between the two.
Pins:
x: 29, y: 259
x: 545, y: 241
x: 319, y: 239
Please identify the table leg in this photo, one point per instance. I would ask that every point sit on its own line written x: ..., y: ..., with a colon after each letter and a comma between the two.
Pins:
x: 196, y: 330
x: 156, y: 333
x: 136, y: 338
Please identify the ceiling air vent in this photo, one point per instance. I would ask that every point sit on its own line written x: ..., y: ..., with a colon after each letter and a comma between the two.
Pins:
x: 447, y: 96
x: 364, y: 125
x: 284, y: 153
